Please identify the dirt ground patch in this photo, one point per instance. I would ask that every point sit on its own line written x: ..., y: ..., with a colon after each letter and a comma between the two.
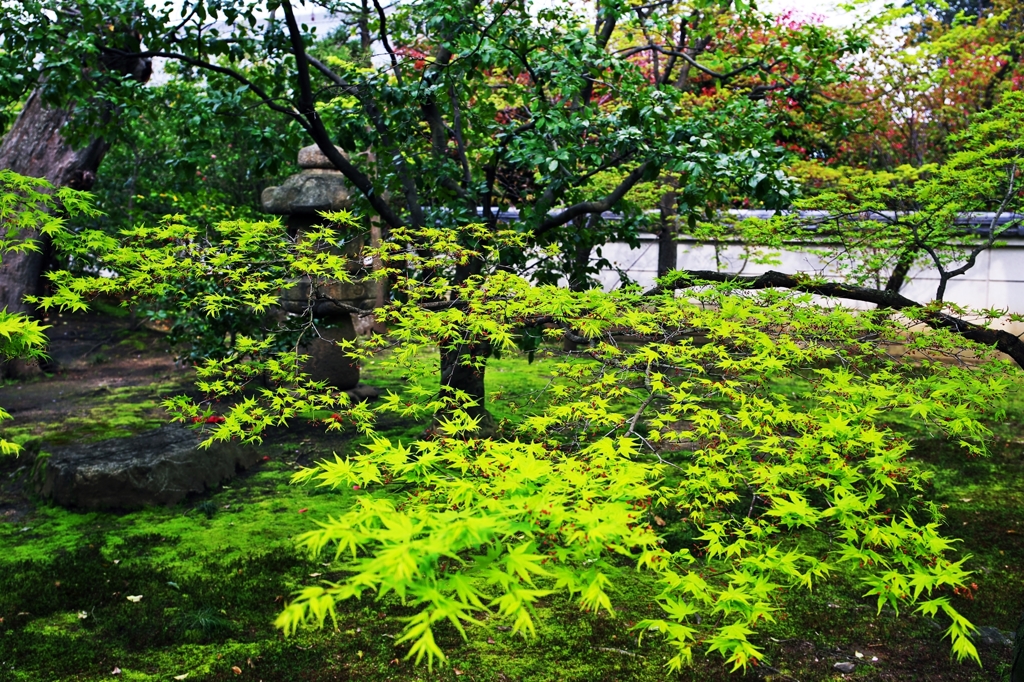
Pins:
x: 91, y: 355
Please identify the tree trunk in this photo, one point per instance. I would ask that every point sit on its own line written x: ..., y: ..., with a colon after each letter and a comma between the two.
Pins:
x: 34, y: 147
x: 1017, y: 663
x: 900, y: 271
x: 581, y: 260
x: 667, y: 251
x: 458, y: 372
x: 365, y: 40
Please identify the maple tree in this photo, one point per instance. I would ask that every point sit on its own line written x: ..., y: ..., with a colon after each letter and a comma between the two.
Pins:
x: 667, y: 424
x: 664, y: 442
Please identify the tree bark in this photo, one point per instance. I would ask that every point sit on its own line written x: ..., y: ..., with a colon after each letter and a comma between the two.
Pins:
x: 459, y: 374
x: 463, y: 368
x: 581, y: 259
x: 667, y: 250
x: 900, y: 271
x: 35, y: 147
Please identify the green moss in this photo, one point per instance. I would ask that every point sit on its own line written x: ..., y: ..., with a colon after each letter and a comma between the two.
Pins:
x: 111, y: 413
x: 109, y: 308
x: 139, y: 341
x: 214, y: 572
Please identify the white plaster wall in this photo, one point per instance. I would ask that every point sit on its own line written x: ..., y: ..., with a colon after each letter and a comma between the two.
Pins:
x: 996, y: 280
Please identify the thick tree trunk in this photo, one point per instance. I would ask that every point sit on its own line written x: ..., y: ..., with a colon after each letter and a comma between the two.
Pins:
x: 35, y: 147
x: 463, y: 369
x: 459, y: 374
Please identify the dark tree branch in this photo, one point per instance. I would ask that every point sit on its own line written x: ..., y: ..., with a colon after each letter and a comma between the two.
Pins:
x: 710, y: 72
x: 384, y: 41
x: 309, y: 121
x: 230, y: 73
x: 412, y: 201
x: 431, y: 112
x: 459, y: 140
x: 603, y: 29
x: 174, y: 31
x: 547, y: 199
x: 439, y: 130
x: 672, y: 58
x: 491, y: 170
x: 1003, y: 341
x: 333, y: 76
x: 850, y: 102
x: 534, y: 77
x: 993, y: 233
x: 306, y: 103
x: 585, y: 207
x: 899, y: 272
x: 316, y: 129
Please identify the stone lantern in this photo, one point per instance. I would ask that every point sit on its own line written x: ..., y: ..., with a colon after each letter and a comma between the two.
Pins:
x: 318, y: 186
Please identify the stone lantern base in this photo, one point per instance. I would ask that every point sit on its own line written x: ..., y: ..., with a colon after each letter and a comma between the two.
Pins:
x: 319, y: 187
x: 327, y: 362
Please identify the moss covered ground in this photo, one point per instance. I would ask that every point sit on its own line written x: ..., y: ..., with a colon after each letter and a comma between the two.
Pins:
x: 190, y: 592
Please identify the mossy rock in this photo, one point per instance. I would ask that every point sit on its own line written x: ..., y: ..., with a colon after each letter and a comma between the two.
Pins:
x: 159, y: 467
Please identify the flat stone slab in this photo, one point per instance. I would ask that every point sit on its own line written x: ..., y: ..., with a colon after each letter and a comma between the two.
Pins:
x: 158, y: 467
x: 990, y: 636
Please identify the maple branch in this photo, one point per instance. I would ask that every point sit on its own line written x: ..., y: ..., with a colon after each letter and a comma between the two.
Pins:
x: 1002, y: 340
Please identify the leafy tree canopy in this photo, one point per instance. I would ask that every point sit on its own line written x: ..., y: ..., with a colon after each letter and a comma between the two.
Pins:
x: 478, y: 106
x: 668, y: 443
x: 914, y: 88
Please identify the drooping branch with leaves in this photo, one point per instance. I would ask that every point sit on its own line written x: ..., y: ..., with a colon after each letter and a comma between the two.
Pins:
x: 664, y: 444
x: 868, y: 230
x: 30, y: 210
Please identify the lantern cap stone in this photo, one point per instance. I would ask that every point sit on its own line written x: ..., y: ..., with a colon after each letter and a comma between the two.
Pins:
x: 312, y: 157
